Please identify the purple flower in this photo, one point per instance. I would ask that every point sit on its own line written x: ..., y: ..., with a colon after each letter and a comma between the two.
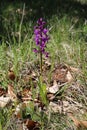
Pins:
x: 36, y: 31
x: 41, y: 37
x: 41, y: 22
x: 35, y: 50
x: 45, y: 31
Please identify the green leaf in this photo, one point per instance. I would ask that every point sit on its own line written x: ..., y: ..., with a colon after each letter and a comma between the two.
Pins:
x: 0, y: 126
x: 43, y: 93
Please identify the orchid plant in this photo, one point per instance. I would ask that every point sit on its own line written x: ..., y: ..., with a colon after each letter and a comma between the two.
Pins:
x: 41, y: 38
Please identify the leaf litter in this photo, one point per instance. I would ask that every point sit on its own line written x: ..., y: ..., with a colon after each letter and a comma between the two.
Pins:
x: 62, y: 92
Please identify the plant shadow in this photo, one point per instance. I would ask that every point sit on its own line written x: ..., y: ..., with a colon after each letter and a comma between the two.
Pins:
x: 36, y: 9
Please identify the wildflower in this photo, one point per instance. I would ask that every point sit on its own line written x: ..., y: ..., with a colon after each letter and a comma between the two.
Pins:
x: 41, y: 37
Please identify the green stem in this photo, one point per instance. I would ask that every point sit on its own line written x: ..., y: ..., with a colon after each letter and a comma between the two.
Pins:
x: 41, y: 63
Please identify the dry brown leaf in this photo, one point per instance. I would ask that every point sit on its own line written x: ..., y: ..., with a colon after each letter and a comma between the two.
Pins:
x: 50, y: 96
x: 84, y: 123
x: 69, y: 77
x: 59, y: 74
x: 32, y: 125
x: 26, y: 94
x: 11, y: 93
x: 4, y: 101
x: 62, y: 74
x: 73, y: 69
x: 11, y: 75
x: 33, y: 74
x: 78, y: 123
x: 53, y: 89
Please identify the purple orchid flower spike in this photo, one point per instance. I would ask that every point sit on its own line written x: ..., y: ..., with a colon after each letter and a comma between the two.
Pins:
x: 41, y: 36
